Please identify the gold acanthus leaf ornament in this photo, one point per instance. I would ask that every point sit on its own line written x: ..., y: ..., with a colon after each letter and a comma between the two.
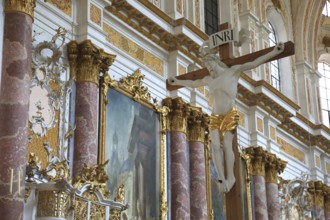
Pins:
x: 133, y: 84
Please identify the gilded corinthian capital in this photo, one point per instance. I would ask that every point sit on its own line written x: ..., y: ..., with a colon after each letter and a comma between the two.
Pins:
x: 197, y: 124
x: 87, y: 61
x: 258, y: 160
x: 179, y: 112
x: 273, y: 166
x: 20, y: 6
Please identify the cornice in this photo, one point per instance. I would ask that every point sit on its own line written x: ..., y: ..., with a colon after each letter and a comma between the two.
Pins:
x: 265, y: 102
x: 151, y: 30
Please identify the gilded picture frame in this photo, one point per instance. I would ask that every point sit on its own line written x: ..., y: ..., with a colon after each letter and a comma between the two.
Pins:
x: 132, y: 138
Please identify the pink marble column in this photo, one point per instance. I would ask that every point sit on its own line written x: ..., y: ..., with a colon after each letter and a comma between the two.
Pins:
x: 14, y: 106
x: 260, y: 198
x: 273, y: 166
x: 86, y: 63
x: 198, y: 200
x: 180, y: 204
x: 197, y: 124
x: 258, y: 158
x: 180, y: 191
x: 85, y: 136
x: 273, y: 205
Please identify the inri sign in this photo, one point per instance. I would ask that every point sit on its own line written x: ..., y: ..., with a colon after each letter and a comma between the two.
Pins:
x: 223, y: 37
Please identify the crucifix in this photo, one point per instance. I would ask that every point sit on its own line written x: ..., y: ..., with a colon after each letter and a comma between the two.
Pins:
x: 221, y: 76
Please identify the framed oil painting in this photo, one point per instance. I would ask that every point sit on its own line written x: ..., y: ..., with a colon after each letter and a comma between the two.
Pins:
x: 132, y: 141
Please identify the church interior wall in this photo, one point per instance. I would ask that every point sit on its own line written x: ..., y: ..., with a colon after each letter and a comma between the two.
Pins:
x: 258, y: 126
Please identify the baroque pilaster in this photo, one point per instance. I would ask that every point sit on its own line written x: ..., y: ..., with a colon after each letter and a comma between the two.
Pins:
x: 14, y: 105
x: 86, y: 63
x: 258, y: 160
x: 180, y: 191
x: 197, y: 125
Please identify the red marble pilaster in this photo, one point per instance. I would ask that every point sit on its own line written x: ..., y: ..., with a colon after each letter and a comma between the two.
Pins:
x: 86, y: 134
x: 14, y: 109
x: 180, y: 207
x: 198, y: 200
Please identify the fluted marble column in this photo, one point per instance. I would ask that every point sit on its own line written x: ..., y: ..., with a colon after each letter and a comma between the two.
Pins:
x: 258, y: 158
x: 180, y: 196
x: 316, y: 189
x: 197, y: 124
x: 86, y: 63
x: 14, y: 105
x: 273, y: 166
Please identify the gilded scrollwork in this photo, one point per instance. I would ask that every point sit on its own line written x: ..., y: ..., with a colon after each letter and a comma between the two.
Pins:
x: 48, y: 100
x: 133, y: 84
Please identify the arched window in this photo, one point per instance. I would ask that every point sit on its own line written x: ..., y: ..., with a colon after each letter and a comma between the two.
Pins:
x: 211, y: 16
x: 324, y: 83
x: 274, y: 65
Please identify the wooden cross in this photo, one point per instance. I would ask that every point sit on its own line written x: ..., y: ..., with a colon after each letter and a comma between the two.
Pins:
x: 227, y: 58
x: 234, y: 205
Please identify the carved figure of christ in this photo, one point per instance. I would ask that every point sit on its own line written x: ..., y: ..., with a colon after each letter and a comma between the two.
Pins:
x: 222, y: 81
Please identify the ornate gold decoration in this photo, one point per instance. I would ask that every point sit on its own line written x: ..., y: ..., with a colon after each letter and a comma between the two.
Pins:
x: 316, y: 189
x: 96, y: 176
x: 88, y: 61
x: 272, y: 132
x: 291, y: 150
x: 64, y: 6
x: 120, y: 197
x: 95, y: 14
x: 60, y: 171
x: 164, y: 112
x: 248, y: 166
x: 81, y: 209
x: 258, y: 160
x: 178, y: 115
x: 134, y: 50
x: 115, y: 214
x: 32, y: 167
x: 227, y: 123
x: 179, y: 6
x: 207, y: 140
x: 326, y: 198
x: 133, y: 83
x: 197, y: 123
x: 20, y: 6
x: 274, y: 166
x: 97, y: 212
x: 52, y: 204
x: 198, y: 13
